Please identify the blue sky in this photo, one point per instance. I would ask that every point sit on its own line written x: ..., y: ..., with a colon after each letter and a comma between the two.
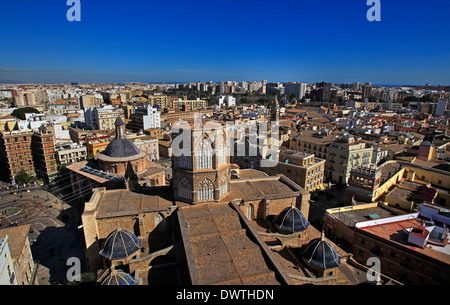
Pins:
x: 177, y: 41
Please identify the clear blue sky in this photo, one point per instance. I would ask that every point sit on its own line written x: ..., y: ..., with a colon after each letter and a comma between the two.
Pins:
x: 177, y: 41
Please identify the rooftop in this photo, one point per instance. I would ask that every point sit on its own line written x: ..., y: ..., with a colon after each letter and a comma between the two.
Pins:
x: 352, y: 214
x: 260, y: 188
x: 17, y: 237
x: 393, y: 230
x: 123, y: 202
x: 223, y: 249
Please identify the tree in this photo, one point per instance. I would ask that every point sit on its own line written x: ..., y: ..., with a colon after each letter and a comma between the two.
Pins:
x: 20, y: 113
x: 23, y: 177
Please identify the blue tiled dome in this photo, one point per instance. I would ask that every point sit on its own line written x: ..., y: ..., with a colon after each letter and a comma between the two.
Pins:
x: 321, y: 253
x: 120, y: 244
x: 284, y: 101
x: 119, y: 277
x: 121, y: 148
x: 291, y: 220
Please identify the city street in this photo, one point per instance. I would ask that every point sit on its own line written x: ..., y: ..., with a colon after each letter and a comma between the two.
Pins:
x: 54, y: 235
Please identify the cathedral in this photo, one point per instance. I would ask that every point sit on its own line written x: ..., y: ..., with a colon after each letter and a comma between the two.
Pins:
x: 214, y: 224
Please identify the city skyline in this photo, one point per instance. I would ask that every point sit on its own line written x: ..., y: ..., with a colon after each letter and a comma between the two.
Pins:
x: 201, y: 41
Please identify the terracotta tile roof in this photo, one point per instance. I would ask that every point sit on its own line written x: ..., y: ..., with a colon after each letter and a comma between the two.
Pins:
x: 116, y: 203
x: 223, y: 252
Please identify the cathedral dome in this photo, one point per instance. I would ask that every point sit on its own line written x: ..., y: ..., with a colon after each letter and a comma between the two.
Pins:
x: 321, y: 253
x: 121, y: 148
x: 291, y: 220
x: 120, y: 244
x: 119, y: 277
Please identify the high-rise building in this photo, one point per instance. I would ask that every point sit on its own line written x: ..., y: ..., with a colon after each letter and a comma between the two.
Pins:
x: 43, y: 151
x: 298, y: 89
x: 323, y: 91
x: 366, y: 90
x: 441, y: 107
x: 228, y: 100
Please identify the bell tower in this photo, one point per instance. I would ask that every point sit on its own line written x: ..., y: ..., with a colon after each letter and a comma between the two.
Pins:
x: 201, y: 173
x: 275, y: 111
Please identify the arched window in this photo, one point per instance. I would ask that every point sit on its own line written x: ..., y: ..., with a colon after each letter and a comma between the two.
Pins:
x: 221, y: 150
x: 223, y: 188
x: 205, y: 154
x: 205, y: 190
x: 184, y: 189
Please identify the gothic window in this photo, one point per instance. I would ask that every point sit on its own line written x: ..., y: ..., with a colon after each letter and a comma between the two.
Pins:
x: 204, y: 155
x: 184, y: 189
x: 205, y: 190
x: 223, y: 188
x: 221, y: 150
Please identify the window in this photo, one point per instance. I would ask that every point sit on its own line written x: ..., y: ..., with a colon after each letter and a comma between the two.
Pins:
x: 223, y: 185
x: 205, y: 190
x: 184, y: 189
x: 204, y: 155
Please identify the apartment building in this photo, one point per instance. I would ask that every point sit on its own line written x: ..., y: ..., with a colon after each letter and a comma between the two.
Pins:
x: 303, y: 168
x: 411, y: 248
x: 20, y: 255
x: 182, y: 104
x: 145, y: 117
x: 15, y: 153
x: 7, y: 272
x: 43, y: 151
x: 163, y: 101
x: 67, y: 153
x: 312, y: 141
x: 149, y: 145
x: 96, y: 145
x: 102, y: 118
x: 345, y: 153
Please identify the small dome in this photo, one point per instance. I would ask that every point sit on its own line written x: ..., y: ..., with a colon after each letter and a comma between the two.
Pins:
x: 156, y: 106
x: 321, y: 253
x: 119, y: 277
x: 284, y: 101
x: 291, y: 220
x: 121, y: 148
x: 120, y: 244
